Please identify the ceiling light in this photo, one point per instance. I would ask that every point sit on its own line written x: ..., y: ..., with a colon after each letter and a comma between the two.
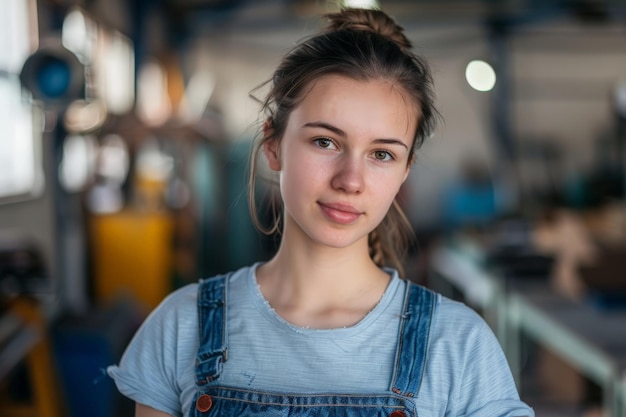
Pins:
x: 361, y: 4
x: 480, y: 75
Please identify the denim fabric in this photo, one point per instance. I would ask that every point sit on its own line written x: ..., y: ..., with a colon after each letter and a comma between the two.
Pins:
x: 414, y: 332
x: 212, y: 324
x: 418, y: 310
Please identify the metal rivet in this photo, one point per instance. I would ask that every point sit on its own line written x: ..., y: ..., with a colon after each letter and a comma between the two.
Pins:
x: 204, y: 403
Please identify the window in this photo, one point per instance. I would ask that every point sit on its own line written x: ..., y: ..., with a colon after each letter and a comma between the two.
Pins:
x: 21, y: 175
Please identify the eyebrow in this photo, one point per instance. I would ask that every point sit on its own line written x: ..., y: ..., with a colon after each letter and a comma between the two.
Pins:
x: 326, y: 126
x: 337, y: 131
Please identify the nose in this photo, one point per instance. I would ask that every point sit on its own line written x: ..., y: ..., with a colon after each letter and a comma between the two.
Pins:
x: 348, y: 176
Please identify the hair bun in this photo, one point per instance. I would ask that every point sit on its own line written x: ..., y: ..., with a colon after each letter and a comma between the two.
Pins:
x: 371, y: 21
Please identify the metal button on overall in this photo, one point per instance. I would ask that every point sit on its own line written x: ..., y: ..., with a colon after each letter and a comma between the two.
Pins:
x: 398, y: 414
x: 204, y: 403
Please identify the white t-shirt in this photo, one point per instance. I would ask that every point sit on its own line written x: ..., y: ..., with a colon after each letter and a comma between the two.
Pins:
x: 466, y: 373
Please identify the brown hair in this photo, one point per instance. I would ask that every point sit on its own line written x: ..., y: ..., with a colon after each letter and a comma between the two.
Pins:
x: 363, y: 45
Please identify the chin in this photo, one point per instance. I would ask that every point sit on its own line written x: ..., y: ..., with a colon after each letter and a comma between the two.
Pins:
x: 336, y: 239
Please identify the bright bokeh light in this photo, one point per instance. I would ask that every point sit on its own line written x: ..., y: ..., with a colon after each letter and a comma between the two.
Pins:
x: 152, y: 163
x: 21, y: 175
x: 20, y: 156
x: 116, y: 71
x: 113, y: 159
x: 112, y: 168
x: 361, y: 4
x: 110, y: 56
x: 16, y: 33
x: 77, y: 35
x: 153, y: 103
x: 85, y: 116
x: 77, y: 166
x: 480, y: 75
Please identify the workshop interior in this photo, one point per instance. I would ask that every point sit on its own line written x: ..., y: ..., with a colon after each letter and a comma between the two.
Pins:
x: 125, y: 131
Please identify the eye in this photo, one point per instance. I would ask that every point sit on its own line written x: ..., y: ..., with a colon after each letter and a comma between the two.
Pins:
x: 383, y: 156
x: 325, y: 143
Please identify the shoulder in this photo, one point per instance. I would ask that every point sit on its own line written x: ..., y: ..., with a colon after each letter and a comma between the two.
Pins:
x: 448, y: 313
x: 460, y: 331
x: 173, y: 318
x: 449, y: 318
x: 234, y: 281
x: 182, y: 304
x: 180, y: 296
x: 181, y: 301
x: 454, y: 314
x: 461, y: 338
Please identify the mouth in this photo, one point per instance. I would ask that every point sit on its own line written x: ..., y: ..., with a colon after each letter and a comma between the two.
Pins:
x: 340, y: 213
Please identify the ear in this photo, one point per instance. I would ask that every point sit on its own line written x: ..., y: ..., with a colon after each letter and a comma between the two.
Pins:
x: 408, y: 168
x: 406, y: 173
x: 271, y: 146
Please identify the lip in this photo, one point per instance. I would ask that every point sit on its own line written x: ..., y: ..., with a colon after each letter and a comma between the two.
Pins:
x: 340, y: 213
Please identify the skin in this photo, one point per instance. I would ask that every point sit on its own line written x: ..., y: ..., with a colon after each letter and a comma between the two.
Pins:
x: 145, y: 411
x: 341, y: 162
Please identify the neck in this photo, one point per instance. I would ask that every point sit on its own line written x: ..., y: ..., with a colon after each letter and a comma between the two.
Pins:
x: 322, y: 287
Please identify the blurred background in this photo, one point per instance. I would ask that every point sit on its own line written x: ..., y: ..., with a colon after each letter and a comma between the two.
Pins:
x: 125, y: 129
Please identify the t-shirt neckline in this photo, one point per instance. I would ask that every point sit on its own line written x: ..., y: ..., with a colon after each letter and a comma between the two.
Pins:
x: 266, y: 310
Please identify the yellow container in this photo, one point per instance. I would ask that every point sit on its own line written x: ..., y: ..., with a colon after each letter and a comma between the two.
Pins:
x: 132, y: 256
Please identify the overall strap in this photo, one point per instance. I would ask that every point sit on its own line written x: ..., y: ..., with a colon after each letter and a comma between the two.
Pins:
x: 418, y: 312
x: 213, y: 350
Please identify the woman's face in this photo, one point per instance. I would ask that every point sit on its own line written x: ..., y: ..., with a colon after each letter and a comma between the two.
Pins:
x: 342, y: 159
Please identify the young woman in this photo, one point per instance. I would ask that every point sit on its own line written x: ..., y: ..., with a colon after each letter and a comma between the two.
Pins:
x: 327, y: 326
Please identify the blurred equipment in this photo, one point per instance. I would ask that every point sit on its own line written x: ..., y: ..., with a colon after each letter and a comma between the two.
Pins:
x: 513, y: 255
x: 605, y: 280
x: 22, y: 268
x: 53, y: 74
x: 56, y: 79
x: 471, y: 201
x: 85, y: 345
x: 24, y: 337
x: 23, y: 330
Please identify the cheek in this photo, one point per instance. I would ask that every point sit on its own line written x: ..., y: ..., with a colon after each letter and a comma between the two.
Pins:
x: 297, y: 177
x: 387, y: 182
x: 385, y: 188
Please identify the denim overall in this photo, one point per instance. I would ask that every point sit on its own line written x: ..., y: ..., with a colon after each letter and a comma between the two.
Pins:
x: 212, y: 399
